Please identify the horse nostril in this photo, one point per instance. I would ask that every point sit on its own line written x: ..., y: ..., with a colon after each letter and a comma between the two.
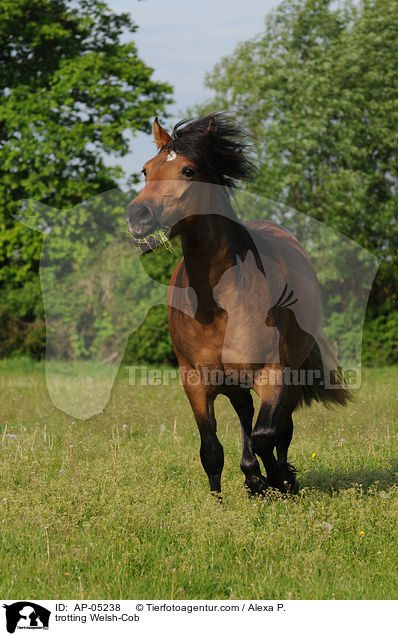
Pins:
x: 143, y: 213
x: 140, y: 219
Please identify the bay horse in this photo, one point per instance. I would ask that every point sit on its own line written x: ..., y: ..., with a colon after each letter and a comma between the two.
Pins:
x: 244, y: 301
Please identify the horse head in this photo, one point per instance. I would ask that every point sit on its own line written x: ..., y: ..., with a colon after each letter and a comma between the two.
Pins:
x: 190, y: 175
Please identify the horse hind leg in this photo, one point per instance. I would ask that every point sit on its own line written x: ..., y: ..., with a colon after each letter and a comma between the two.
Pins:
x: 283, y: 439
x: 242, y: 402
x: 274, y: 428
x: 284, y: 434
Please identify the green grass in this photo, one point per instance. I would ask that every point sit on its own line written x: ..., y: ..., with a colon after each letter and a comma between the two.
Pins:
x: 118, y: 506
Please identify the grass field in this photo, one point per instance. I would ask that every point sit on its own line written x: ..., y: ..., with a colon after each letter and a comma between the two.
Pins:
x: 118, y: 506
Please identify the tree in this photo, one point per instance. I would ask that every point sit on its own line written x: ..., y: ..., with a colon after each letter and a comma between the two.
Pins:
x: 70, y: 89
x: 319, y: 92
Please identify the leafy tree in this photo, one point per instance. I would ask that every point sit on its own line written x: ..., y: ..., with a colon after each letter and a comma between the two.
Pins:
x: 70, y: 90
x: 318, y: 89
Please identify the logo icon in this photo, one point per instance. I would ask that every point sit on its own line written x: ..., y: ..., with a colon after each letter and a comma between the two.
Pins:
x: 26, y: 615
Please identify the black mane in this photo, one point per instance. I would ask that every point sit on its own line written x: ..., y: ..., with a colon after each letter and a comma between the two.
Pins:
x: 215, y: 143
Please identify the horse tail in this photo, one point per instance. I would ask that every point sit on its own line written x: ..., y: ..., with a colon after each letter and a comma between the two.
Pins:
x: 327, y: 380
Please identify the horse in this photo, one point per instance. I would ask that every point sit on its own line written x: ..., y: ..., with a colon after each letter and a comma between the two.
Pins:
x: 244, y: 302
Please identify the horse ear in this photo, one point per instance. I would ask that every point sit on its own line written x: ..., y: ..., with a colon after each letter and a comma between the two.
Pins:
x: 160, y: 135
x: 211, y: 127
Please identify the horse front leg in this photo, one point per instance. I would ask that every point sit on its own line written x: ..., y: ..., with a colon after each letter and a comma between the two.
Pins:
x: 211, y: 451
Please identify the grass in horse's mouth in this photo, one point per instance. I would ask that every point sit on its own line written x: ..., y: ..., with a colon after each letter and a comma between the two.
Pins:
x: 160, y: 237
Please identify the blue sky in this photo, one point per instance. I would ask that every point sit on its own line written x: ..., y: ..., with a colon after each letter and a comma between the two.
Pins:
x: 182, y: 40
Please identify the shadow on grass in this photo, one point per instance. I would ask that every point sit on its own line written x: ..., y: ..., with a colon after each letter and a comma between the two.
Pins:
x: 341, y: 480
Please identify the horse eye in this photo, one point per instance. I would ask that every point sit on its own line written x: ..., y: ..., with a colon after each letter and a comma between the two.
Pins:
x: 188, y: 172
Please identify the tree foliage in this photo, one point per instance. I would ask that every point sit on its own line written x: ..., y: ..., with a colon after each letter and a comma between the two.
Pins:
x: 71, y: 87
x: 318, y: 89
x: 319, y: 92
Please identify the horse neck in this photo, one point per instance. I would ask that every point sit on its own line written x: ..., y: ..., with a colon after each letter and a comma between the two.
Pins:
x: 210, y: 243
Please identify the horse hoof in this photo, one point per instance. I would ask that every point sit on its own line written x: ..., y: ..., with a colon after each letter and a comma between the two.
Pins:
x: 291, y: 488
x: 256, y: 485
x: 216, y: 495
x: 296, y: 487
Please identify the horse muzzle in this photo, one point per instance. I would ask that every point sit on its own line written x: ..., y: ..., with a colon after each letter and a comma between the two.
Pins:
x: 141, y: 219
x: 145, y: 228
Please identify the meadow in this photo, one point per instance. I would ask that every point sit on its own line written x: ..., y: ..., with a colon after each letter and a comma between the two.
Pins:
x: 118, y: 506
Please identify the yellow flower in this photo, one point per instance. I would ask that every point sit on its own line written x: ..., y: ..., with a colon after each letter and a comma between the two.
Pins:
x: 26, y: 457
x: 313, y: 455
x: 361, y: 532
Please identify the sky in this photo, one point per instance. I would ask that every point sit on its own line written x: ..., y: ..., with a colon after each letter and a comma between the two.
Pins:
x: 181, y: 41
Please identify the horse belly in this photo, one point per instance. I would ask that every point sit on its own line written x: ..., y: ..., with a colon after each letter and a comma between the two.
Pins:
x: 249, y: 342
